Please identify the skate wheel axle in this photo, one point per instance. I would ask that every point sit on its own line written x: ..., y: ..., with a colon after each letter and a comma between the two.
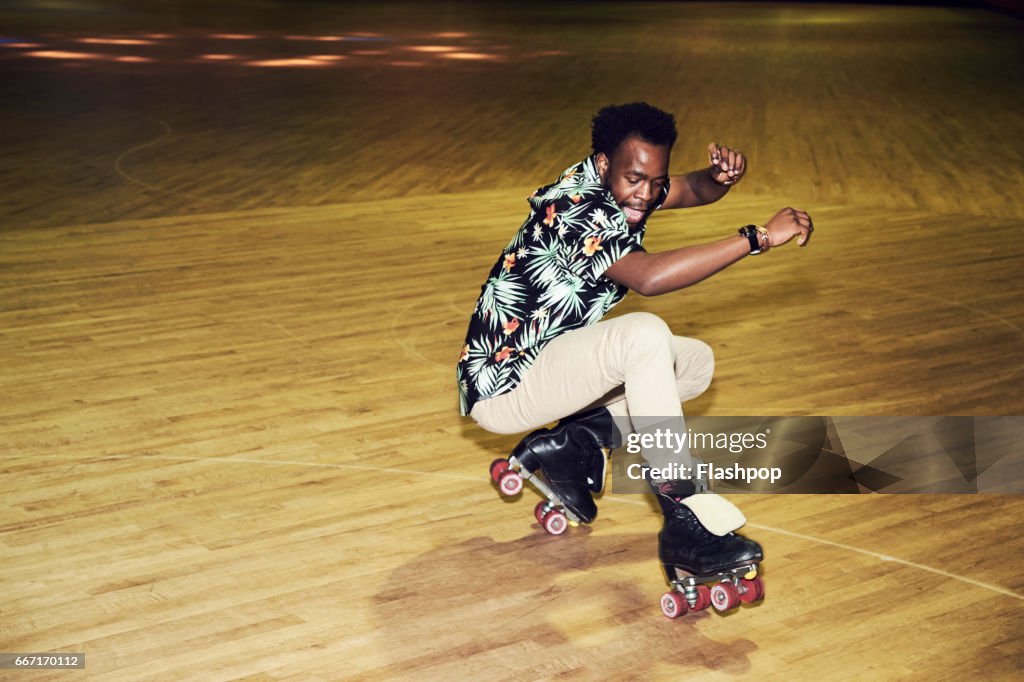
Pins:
x: 673, y: 605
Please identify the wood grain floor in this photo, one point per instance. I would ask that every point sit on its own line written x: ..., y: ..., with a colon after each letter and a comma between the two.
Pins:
x: 231, y: 299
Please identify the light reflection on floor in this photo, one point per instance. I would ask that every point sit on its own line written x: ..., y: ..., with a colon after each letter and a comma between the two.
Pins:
x: 265, y: 51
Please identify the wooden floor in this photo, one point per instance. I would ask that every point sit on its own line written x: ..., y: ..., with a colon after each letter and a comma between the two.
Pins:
x: 232, y: 297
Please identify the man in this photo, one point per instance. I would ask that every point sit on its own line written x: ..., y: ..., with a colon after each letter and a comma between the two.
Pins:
x: 537, y: 349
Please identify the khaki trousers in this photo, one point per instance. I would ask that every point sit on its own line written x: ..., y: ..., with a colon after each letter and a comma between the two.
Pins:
x: 631, y: 364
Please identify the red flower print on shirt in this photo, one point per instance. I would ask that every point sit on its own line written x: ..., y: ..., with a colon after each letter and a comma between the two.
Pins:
x: 551, y: 213
x: 592, y: 245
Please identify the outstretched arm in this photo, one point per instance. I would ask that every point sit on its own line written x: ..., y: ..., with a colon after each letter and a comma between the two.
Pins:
x: 651, y: 274
x: 707, y: 185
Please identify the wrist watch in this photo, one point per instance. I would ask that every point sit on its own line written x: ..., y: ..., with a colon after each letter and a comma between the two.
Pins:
x: 762, y: 233
x: 751, y: 233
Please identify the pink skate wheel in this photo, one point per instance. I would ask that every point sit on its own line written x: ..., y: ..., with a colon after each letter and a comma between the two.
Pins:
x: 498, y: 467
x: 511, y: 483
x: 554, y: 522
x: 540, y: 510
x: 703, y: 598
x: 751, y: 590
x: 725, y: 596
x: 673, y: 605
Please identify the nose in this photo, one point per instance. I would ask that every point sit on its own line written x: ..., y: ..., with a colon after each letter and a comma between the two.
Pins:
x: 644, y: 192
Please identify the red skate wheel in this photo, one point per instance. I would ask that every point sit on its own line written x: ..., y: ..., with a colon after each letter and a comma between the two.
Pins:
x: 751, y: 590
x: 498, y: 467
x: 703, y: 598
x: 511, y: 483
x: 555, y: 523
x: 673, y: 605
x: 725, y: 596
x: 540, y: 510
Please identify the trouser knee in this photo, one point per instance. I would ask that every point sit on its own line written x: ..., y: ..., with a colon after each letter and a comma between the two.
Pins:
x: 646, y: 332
x: 702, y: 368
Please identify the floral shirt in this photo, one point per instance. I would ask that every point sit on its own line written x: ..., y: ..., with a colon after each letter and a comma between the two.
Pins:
x: 548, y: 280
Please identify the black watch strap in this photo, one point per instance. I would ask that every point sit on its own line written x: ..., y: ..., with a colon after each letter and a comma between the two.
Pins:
x: 750, y: 232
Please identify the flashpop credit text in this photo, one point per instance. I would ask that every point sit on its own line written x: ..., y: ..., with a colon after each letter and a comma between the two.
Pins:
x: 704, y: 472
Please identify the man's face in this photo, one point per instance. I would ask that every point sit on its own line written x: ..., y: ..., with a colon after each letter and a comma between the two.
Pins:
x: 635, y: 174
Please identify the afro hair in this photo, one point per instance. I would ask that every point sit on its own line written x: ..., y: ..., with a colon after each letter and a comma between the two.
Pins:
x: 613, y: 124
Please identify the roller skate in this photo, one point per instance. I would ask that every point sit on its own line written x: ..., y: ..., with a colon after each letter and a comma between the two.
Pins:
x: 705, y: 562
x: 597, y: 426
x: 565, y: 464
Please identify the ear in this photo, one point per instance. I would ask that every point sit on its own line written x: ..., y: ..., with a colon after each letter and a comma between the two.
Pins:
x: 602, y: 161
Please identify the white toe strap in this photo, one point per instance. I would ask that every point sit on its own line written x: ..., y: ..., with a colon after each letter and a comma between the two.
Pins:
x: 717, y: 514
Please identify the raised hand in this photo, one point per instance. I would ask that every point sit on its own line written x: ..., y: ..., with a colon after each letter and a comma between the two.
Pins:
x: 727, y: 165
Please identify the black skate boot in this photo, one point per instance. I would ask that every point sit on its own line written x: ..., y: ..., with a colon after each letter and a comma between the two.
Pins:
x: 698, y: 547
x: 567, y: 463
x: 685, y: 543
x: 595, y: 426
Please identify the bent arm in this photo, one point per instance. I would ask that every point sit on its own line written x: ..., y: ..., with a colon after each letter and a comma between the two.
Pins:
x: 708, y: 185
x: 695, y: 188
x: 651, y: 274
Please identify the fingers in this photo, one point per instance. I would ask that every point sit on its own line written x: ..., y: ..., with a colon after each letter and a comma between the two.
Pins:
x: 719, y: 164
x: 788, y: 223
x: 804, y: 224
x: 721, y: 157
x: 728, y: 164
x: 714, y: 155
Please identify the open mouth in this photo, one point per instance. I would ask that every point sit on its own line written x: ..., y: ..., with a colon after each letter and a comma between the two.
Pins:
x: 633, y: 215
